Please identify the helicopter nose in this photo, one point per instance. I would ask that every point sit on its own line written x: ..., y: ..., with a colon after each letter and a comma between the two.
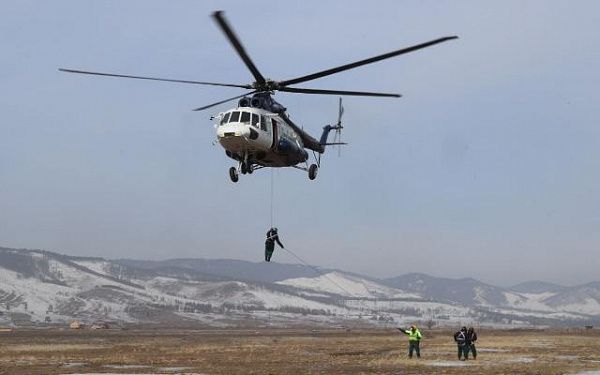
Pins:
x: 233, y: 130
x: 244, y: 131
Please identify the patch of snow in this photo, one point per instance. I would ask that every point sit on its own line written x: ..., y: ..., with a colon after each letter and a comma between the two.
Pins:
x: 99, y: 266
x: 568, y: 357
x: 73, y: 364
x: 448, y: 363
x: 173, y: 369
x: 272, y: 299
x: 347, y: 285
x: 590, y: 306
x: 520, y: 360
x: 541, y: 344
x: 480, y: 296
x: 121, y: 373
x: 529, y: 301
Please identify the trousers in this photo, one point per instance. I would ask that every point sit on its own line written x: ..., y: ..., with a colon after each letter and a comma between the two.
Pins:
x: 413, y: 345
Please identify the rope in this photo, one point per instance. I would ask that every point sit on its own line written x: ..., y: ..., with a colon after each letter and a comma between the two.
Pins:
x: 325, y: 276
x: 290, y: 251
x: 272, y: 199
x: 318, y: 272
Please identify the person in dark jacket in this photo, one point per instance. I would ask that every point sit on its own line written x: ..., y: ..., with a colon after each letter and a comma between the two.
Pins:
x: 272, y: 237
x: 460, y: 338
x: 470, y: 342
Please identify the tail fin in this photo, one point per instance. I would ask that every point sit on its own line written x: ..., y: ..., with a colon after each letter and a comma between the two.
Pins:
x: 337, y: 138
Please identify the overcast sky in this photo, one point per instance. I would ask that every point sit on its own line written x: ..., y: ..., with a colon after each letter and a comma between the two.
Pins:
x: 488, y: 167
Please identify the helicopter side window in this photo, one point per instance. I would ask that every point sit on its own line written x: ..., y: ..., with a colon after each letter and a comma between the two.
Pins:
x: 254, y: 119
x: 225, y: 118
x: 263, y: 123
x: 235, y: 117
x: 245, y: 119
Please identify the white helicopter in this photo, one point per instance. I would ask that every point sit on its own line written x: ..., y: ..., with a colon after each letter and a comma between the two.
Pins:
x: 258, y: 133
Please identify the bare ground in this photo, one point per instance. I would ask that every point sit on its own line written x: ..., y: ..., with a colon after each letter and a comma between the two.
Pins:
x: 298, y: 351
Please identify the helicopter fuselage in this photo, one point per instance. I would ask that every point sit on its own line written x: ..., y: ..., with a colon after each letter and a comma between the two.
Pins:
x: 257, y: 136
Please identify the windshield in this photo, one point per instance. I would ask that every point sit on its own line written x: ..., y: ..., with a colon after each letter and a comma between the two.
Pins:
x: 235, y: 116
x: 245, y: 118
x: 225, y: 118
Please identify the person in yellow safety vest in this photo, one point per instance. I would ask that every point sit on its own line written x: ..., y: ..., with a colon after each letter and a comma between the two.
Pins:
x: 414, y: 338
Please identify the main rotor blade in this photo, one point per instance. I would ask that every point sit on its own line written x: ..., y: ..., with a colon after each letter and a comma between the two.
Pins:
x: 353, y: 65
x: 154, y: 78
x: 223, y: 101
x: 235, y: 42
x: 336, y: 92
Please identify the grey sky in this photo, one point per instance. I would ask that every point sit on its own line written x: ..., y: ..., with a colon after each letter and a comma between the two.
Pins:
x: 487, y: 167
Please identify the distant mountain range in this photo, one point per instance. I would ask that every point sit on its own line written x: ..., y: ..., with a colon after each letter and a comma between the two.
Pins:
x: 40, y: 287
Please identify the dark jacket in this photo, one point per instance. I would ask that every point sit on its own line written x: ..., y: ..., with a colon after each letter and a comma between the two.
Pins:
x: 273, y: 237
x: 460, y: 337
x: 471, y: 337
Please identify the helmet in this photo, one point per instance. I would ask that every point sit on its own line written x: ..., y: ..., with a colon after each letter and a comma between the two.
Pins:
x: 274, y: 229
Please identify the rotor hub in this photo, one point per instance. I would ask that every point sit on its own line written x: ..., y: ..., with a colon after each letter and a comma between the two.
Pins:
x: 267, y: 85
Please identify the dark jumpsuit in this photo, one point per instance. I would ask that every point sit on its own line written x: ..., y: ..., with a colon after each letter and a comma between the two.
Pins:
x: 471, y: 338
x: 460, y: 338
x: 272, y: 236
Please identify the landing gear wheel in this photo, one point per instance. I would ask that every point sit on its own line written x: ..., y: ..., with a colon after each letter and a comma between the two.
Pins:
x: 233, y: 174
x: 244, y: 168
x: 250, y: 170
x: 312, y: 171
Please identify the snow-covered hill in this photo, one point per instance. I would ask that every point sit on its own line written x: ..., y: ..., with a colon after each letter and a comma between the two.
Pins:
x: 347, y: 285
x: 466, y: 291
x: 40, y: 287
x: 537, y: 286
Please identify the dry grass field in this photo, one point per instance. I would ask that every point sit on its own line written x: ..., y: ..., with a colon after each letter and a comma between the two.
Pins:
x: 273, y: 351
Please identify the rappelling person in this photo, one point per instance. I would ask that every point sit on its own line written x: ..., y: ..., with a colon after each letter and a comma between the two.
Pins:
x: 414, y: 338
x: 272, y: 236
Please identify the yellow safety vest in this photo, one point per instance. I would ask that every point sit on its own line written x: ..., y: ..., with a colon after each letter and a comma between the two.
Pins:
x: 413, y: 335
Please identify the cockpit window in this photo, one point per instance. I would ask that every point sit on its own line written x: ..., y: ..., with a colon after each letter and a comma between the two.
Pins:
x: 245, y: 118
x: 225, y: 118
x: 263, y: 123
x: 235, y: 116
x: 254, y: 119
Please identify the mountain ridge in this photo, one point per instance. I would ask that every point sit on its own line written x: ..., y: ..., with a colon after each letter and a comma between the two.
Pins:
x: 53, y: 287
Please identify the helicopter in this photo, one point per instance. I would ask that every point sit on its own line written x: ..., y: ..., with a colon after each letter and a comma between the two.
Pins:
x: 259, y: 133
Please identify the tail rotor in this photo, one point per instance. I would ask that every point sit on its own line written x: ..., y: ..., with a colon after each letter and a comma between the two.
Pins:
x: 337, y: 138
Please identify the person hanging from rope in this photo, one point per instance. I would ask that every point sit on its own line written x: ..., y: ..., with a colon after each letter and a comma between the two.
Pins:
x: 272, y: 236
